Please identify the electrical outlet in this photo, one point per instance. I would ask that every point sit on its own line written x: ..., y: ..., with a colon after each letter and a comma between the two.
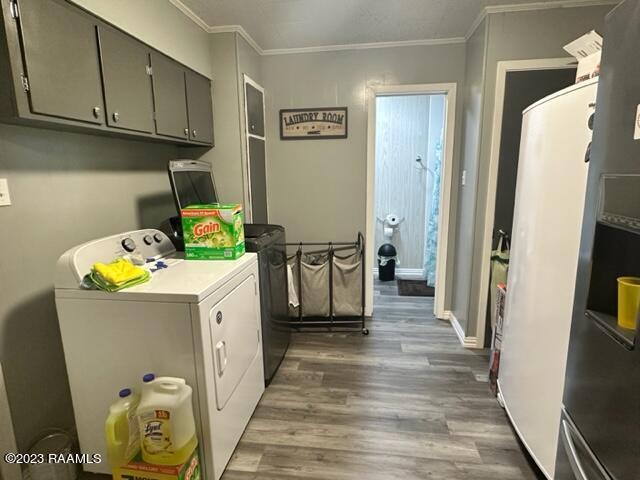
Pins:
x: 5, y: 198
x: 463, y: 180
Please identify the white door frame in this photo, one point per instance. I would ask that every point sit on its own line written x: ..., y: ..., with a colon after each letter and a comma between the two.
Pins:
x: 248, y: 198
x: 448, y: 89
x: 503, y: 68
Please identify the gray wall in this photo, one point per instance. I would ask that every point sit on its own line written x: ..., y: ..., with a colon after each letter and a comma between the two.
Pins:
x: 231, y: 58
x: 473, y: 98
x: 510, y: 36
x: 225, y: 156
x: 68, y: 188
x: 317, y: 188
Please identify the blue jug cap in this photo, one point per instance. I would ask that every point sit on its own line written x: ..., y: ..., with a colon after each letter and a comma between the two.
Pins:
x: 125, y: 392
x: 148, y: 377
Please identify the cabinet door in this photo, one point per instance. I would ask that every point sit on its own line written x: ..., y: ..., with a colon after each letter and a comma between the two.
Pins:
x: 255, y: 110
x: 61, y: 58
x: 127, y: 83
x: 258, y: 180
x: 200, y: 108
x: 170, y: 97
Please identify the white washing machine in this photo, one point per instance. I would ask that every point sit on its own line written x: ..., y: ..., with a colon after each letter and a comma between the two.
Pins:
x: 199, y: 320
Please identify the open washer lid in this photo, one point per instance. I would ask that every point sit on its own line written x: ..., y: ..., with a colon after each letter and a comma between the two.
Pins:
x: 192, y: 183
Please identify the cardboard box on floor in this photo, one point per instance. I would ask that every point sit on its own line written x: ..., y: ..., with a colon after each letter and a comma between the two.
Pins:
x: 587, y: 50
x: 136, y: 469
x: 496, y: 340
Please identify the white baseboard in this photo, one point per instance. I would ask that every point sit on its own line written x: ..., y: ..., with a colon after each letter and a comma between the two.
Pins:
x: 407, y: 273
x: 467, y: 342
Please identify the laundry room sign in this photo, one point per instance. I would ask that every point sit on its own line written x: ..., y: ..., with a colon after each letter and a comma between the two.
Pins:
x: 313, y: 123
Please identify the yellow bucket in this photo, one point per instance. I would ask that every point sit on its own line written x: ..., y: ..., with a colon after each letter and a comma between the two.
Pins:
x: 628, y: 301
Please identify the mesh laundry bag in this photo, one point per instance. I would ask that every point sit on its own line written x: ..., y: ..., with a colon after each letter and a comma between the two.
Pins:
x: 293, y: 282
x: 315, y: 285
x: 347, y: 285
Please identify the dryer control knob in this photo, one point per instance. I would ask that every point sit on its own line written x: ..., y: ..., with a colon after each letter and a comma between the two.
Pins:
x: 157, y: 237
x: 128, y: 244
x: 147, y: 239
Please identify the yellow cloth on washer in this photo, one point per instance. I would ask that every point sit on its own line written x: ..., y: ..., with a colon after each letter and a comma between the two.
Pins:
x: 119, y: 272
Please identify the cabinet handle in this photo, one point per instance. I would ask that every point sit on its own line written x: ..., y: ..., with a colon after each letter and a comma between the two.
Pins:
x: 253, y: 127
x: 194, y: 133
x: 116, y: 117
x: 96, y: 112
x: 186, y: 131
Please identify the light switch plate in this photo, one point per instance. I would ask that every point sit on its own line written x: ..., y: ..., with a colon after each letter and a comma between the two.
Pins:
x: 636, y: 131
x: 463, y: 180
x: 5, y: 198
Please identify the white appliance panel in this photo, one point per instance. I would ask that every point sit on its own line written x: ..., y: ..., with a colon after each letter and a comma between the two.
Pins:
x: 548, y: 213
x: 241, y: 403
x: 109, y: 345
x: 232, y: 322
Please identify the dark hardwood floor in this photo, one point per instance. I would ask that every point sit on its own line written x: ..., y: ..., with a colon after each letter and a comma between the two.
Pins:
x: 407, y: 402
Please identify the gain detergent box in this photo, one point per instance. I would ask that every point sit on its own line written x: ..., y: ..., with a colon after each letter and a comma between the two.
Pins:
x: 137, y: 469
x: 213, y: 231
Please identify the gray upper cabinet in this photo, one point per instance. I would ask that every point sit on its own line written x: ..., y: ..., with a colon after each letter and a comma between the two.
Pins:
x: 63, y: 67
x: 170, y: 97
x: 59, y: 47
x: 255, y: 110
x: 200, y: 108
x: 127, y: 81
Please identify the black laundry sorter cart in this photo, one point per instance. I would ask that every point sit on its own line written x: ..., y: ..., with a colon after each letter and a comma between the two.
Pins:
x: 328, y: 280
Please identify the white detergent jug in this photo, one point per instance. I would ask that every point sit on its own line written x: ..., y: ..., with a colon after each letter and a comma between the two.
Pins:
x: 165, y: 417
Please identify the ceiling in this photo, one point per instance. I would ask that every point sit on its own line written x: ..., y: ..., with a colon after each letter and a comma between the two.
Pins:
x: 292, y: 24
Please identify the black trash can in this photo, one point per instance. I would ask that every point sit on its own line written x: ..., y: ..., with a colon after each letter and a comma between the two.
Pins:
x: 387, y: 257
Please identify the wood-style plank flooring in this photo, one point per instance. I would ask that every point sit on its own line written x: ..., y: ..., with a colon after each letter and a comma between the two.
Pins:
x: 407, y: 402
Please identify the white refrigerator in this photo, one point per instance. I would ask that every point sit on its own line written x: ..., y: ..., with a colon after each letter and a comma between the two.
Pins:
x: 550, y: 195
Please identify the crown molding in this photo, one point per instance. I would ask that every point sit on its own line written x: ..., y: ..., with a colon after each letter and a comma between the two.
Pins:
x: 239, y: 29
x: 524, y: 7
x: 492, y: 9
x: 190, y: 14
x: 364, y: 46
x: 476, y: 23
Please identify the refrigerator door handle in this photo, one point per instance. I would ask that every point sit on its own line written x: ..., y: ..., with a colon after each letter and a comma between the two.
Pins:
x: 572, y: 453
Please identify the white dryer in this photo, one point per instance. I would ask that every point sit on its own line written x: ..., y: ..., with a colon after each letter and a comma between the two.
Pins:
x: 199, y: 320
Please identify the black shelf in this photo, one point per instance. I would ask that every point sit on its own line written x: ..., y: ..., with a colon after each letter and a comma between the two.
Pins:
x: 609, y: 325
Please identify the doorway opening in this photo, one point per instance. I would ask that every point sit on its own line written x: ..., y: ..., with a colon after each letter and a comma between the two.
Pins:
x: 519, y: 84
x: 410, y: 154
